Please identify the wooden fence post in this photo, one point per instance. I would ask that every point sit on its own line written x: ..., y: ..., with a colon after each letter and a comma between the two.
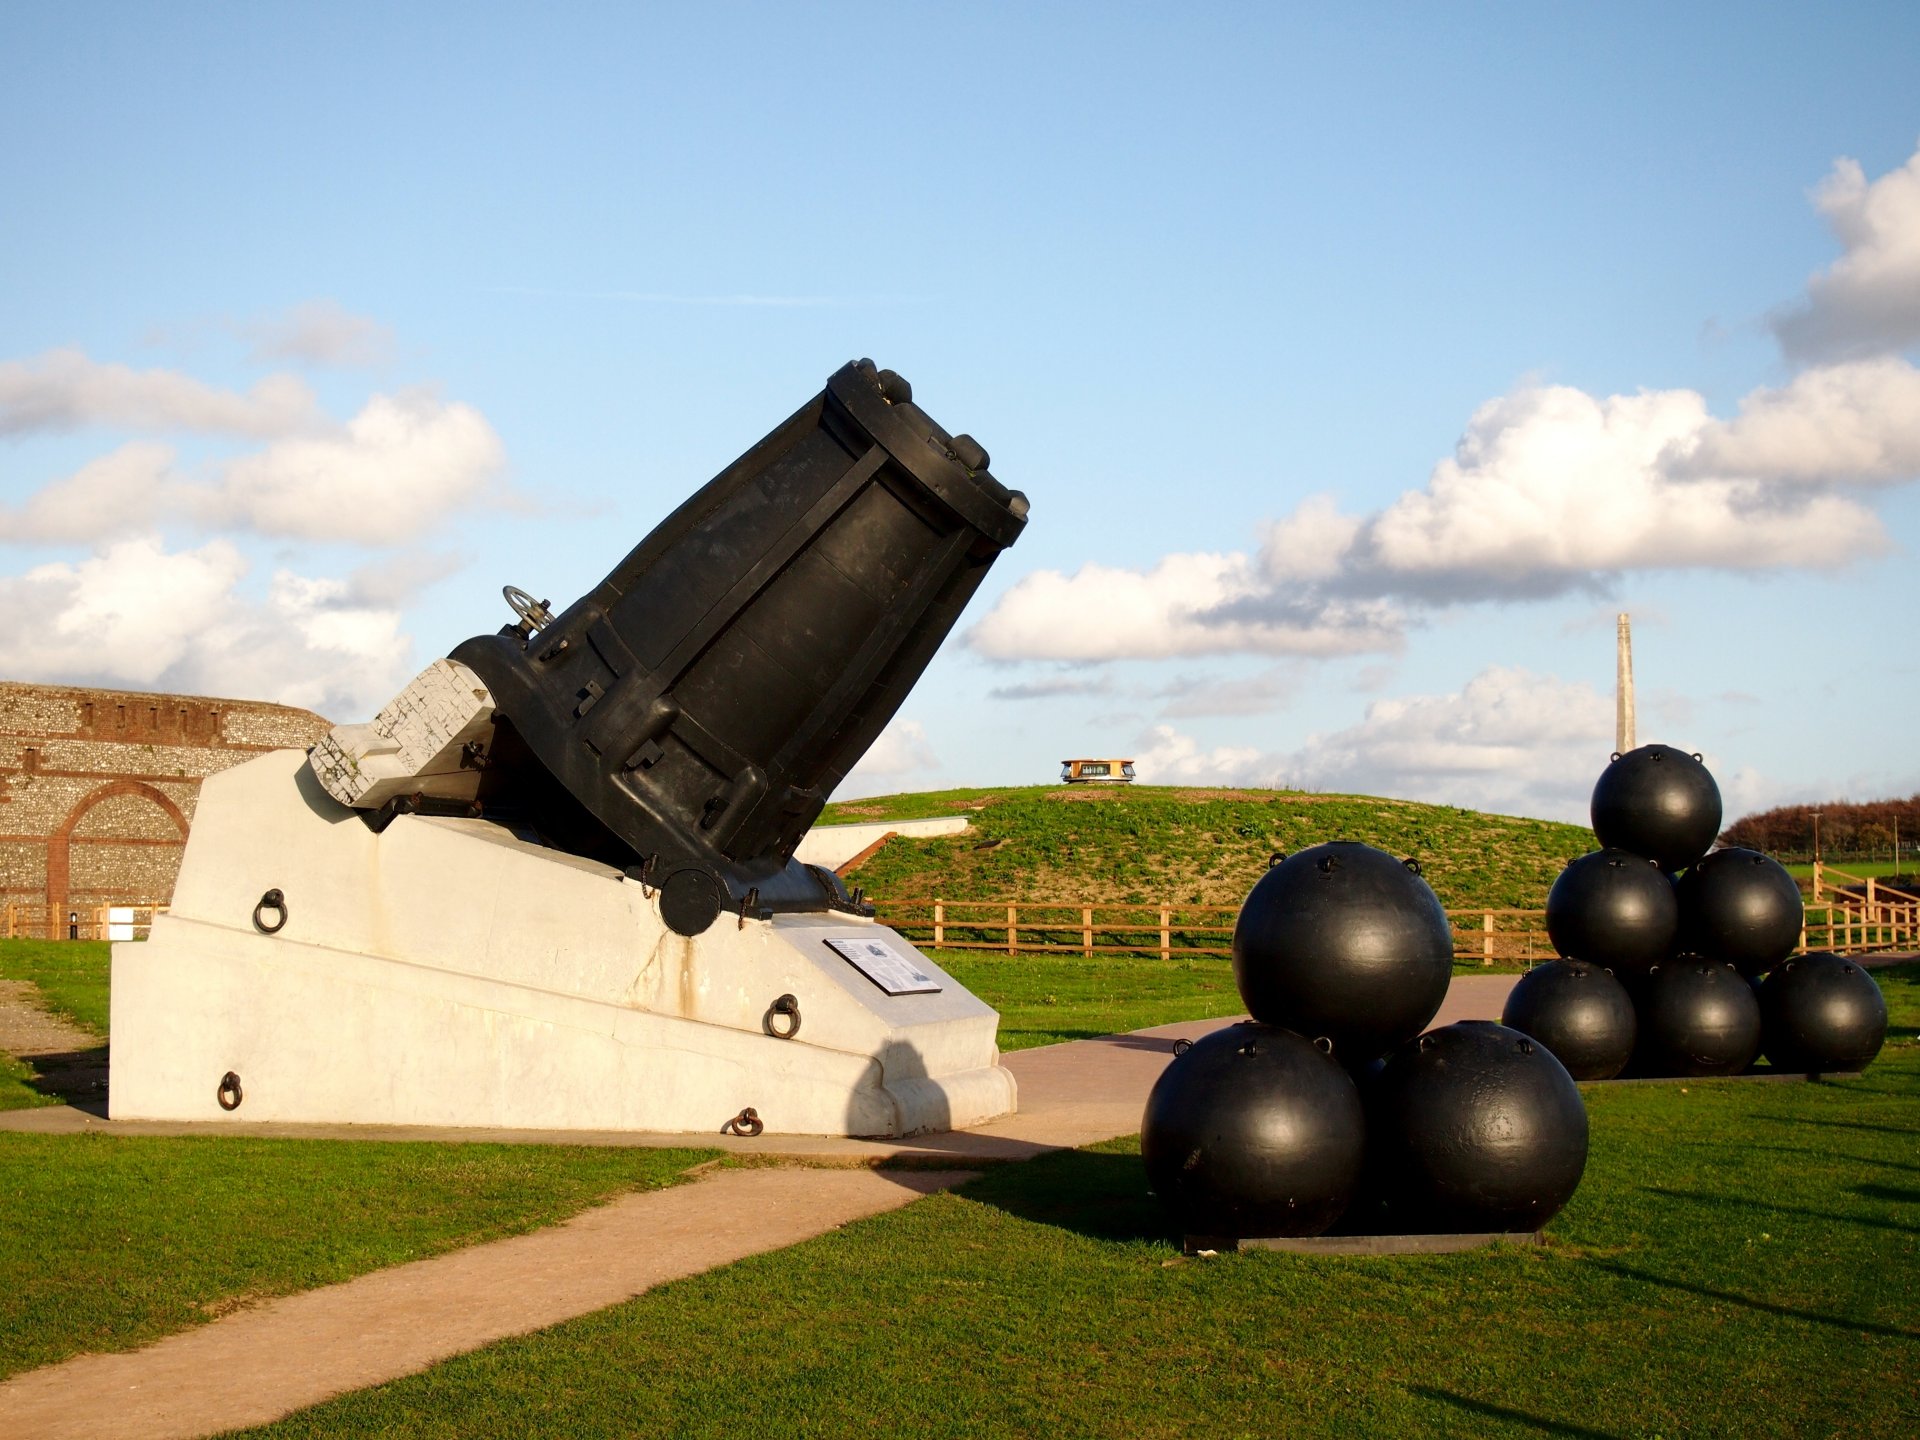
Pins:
x: 1086, y: 930
x: 1166, y: 933
x: 1486, y: 937
x: 1013, y: 933
x: 939, y: 922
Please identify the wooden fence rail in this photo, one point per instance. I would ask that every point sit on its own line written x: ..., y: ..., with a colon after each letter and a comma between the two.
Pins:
x: 1166, y: 929
x: 30, y: 920
x: 1889, y: 921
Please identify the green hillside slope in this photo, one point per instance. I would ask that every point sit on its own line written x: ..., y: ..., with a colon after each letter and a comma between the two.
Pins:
x: 1142, y: 844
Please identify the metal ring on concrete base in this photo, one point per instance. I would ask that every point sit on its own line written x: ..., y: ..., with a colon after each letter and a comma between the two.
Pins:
x: 788, y: 1006
x: 272, y: 900
x: 229, y: 1094
x: 747, y: 1123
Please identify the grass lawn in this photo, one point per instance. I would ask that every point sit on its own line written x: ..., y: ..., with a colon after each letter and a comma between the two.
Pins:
x: 16, y: 1086
x: 1044, y: 999
x: 1739, y: 1261
x: 71, y: 974
x: 109, y: 1242
x: 1865, y: 869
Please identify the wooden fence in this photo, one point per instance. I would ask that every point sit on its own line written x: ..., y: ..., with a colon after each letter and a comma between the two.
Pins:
x: 1857, y: 913
x: 1166, y: 929
x: 30, y: 920
x: 1879, y: 919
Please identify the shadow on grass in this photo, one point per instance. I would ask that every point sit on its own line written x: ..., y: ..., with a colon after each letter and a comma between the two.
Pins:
x: 1502, y: 1412
x: 1899, y: 1194
x: 77, y: 1078
x: 1100, y: 1196
x: 1840, y: 1124
x: 1834, y: 1156
x: 1790, y: 1312
x: 1736, y: 1202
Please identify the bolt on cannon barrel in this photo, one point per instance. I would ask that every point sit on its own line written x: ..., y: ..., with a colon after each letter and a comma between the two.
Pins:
x: 688, y: 717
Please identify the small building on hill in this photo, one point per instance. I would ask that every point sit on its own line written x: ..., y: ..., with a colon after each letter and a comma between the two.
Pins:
x: 1097, y: 772
x: 98, y: 787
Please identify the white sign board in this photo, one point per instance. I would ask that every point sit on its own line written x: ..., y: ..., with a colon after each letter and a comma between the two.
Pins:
x: 120, y: 922
x: 894, y: 971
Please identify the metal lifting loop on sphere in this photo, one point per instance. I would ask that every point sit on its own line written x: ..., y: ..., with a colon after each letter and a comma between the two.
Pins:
x: 747, y: 1123
x: 786, y: 1006
x: 275, y: 901
x: 229, y: 1094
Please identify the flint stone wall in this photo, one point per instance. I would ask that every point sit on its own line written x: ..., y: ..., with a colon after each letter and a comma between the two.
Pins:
x: 98, y: 787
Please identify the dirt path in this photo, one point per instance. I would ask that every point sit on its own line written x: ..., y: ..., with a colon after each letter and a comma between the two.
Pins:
x: 28, y: 1029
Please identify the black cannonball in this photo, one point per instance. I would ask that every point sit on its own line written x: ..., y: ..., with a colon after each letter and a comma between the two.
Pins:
x: 1579, y: 1012
x: 1741, y: 907
x: 1658, y: 802
x: 1697, y: 1017
x: 1346, y: 942
x: 1253, y: 1131
x: 1821, y: 1013
x: 1614, y: 909
x: 1474, y: 1127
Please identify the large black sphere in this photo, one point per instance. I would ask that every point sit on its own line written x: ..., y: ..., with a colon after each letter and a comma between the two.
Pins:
x: 1474, y: 1127
x: 1741, y: 907
x: 1579, y: 1012
x: 1346, y: 942
x: 1697, y: 1017
x: 1821, y: 1012
x: 1658, y: 802
x: 1253, y: 1131
x: 1615, y: 909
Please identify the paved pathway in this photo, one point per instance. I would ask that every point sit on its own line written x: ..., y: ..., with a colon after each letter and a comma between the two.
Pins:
x: 259, y: 1364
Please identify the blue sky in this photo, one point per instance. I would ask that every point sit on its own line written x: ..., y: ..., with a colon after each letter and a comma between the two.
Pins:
x: 1359, y: 367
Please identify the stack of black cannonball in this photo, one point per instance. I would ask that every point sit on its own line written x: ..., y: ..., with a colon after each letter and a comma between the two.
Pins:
x: 1330, y: 1103
x: 1665, y: 944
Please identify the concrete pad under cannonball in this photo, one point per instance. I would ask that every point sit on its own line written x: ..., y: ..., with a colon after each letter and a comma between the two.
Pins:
x: 448, y: 972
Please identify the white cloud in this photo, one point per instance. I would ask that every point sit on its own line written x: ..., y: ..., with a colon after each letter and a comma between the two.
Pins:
x: 1185, y: 605
x: 120, y: 492
x: 65, y: 390
x: 1509, y: 740
x: 1165, y: 756
x: 1552, y: 490
x: 320, y: 332
x: 1258, y: 694
x: 137, y: 614
x: 1868, y: 301
x: 1856, y: 423
x: 1053, y: 689
x: 399, y: 467
x: 900, y: 749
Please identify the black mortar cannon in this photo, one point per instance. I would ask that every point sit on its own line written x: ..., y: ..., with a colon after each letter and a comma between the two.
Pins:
x: 688, y: 717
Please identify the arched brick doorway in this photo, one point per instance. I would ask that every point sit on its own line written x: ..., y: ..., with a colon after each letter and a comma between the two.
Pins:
x: 113, y: 847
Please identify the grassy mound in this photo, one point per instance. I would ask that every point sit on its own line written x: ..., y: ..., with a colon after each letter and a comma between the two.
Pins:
x: 1144, y: 844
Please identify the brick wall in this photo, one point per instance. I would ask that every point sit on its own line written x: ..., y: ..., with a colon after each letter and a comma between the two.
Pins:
x: 97, y: 789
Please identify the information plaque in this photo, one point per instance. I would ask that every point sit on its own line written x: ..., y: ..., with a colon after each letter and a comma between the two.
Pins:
x: 885, y: 965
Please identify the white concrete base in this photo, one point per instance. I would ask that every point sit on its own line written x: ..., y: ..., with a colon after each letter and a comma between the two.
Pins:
x: 445, y: 972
